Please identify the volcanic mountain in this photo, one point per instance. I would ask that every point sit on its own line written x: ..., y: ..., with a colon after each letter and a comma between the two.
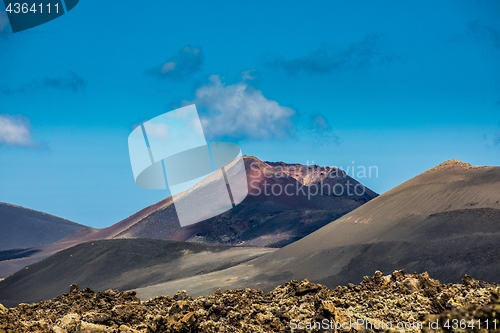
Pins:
x: 445, y: 221
x: 24, y: 228
x: 285, y: 203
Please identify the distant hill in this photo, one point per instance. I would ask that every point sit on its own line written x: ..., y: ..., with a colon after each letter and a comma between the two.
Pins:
x: 24, y: 228
x: 263, y: 219
x: 445, y: 221
x: 119, y: 263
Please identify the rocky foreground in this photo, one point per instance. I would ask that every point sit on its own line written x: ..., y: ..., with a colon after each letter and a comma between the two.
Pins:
x: 405, y: 302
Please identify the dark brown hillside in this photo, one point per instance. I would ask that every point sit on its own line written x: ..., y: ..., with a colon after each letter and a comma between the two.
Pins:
x: 22, y: 227
x: 119, y: 263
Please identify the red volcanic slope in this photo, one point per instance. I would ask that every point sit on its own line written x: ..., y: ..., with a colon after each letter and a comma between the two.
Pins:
x: 266, y: 217
x: 115, y: 229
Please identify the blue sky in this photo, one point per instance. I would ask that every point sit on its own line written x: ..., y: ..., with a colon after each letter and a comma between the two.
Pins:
x: 400, y: 85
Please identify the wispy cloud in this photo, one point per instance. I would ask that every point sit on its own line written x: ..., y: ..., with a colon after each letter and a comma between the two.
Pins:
x: 326, y: 59
x: 186, y: 62
x: 321, y: 130
x: 484, y: 32
x: 240, y: 111
x: 71, y: 81
x: 15, y: 131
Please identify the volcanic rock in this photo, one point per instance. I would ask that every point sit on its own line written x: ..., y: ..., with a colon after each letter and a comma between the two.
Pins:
x: 376, y: 302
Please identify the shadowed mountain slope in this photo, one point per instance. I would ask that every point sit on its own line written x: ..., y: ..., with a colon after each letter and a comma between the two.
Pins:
x: 22, y: 227
x: 120, y: 263
x: 445, y: 221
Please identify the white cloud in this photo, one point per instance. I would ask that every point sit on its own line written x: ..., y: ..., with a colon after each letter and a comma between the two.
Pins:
x: 15, y: 131
x: 168, y: 66
x: 248, y: 75
x: 240, y: 111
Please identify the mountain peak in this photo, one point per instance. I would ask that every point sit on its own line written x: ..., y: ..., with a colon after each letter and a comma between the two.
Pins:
x: 454, y: 163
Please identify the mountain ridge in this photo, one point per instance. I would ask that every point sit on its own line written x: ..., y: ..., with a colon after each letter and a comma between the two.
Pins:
x: 260, y: 220
x: 445, y: 222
